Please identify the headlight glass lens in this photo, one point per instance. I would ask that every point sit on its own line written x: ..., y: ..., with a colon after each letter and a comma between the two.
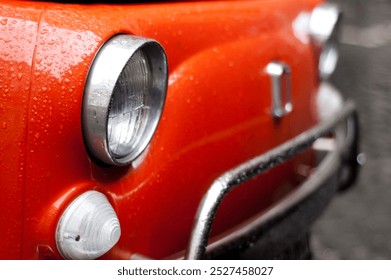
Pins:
x: 128, y: 114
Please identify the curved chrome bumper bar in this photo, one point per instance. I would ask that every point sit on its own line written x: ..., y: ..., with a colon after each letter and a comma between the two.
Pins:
x: 344, y: 124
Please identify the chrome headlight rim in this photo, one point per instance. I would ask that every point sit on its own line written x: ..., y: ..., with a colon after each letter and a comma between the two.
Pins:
x: 107, y: 67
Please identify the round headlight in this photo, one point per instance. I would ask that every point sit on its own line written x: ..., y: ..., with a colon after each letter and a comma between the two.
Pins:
x: 123, y: 99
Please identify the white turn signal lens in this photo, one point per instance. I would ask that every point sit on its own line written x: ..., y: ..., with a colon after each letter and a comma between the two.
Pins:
x: 88, y: 228
x: 329, y: 101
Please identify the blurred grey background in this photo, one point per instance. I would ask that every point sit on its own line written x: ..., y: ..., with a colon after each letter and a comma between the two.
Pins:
x: 357, y: 224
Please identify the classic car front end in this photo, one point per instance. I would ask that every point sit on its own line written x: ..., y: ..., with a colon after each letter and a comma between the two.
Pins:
x: 168, y: 130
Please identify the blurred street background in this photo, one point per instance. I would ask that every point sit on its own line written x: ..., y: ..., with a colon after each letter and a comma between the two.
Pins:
x: 357, y: 224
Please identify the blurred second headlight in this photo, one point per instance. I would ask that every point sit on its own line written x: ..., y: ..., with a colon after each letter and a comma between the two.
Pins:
x: 323, y: 28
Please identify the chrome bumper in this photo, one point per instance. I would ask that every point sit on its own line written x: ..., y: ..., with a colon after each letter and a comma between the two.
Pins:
x: 343, y: 154
x: 292, y: 215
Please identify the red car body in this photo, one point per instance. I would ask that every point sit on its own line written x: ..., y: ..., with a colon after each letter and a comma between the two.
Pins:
x: 217, y: 115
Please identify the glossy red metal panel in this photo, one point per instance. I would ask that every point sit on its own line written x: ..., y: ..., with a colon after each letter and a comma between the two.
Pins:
x: 217, y: 115
x: 18, y: 27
